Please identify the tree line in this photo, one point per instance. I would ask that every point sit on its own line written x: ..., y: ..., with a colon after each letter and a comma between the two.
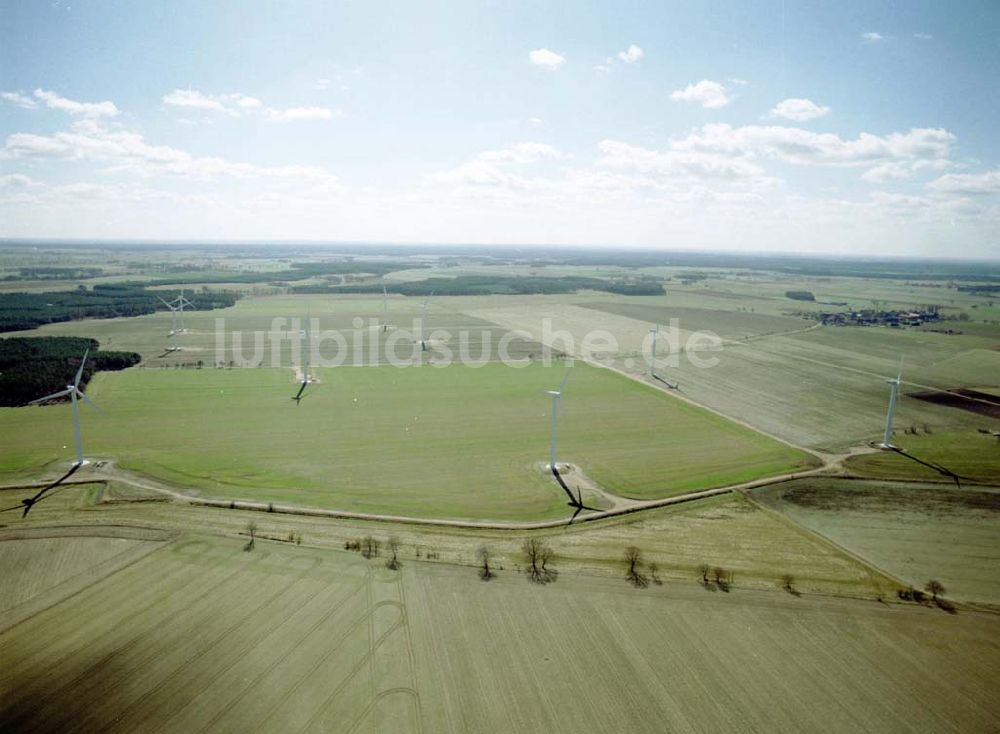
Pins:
x: 22, y: 311
x: 33, y: 367
x: 497, y: 285
x: 54, y: 273
x: 295, y: 271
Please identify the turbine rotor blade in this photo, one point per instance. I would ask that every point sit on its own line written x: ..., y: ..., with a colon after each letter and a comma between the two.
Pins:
x: 79, y: 372
x: 88, y: 401
x: 565, y: 378
x: 54, y: 395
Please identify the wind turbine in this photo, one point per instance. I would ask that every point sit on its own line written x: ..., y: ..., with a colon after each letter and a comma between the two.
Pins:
x: 894, y: 384
x: 577, y: 500
x: 176, y: 306
x: 423, y: 321
x: 305, y: 363
x: 655, y: 331
x: 173, y: 325
x: 181, y: 302
x: 556, y: 395
x: 385, y: 309
x: 74, y: 393
x: 652, y: 357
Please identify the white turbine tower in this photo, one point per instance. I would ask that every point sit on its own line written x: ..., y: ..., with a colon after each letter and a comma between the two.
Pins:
x: 181, y: 302
x: 655, y: 331
x: 74, y: 392
x: 385, y: 309
x: 556, y: 395
x: 894, y: 384
x: 307, y: 353
x: 423, y: 321
x: 652, y: 357
x: 304, y: 333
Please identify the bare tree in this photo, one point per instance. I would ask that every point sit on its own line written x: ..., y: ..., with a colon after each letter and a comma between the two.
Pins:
x: 485, y: 573
x: 703, y: 571
x: 538, y: 555
x: 252, y: 532
x: 369, y: 547
x: 788, y: 584
x: 393, y: 562
x: 653, y: 571
x: 722, y: 579
x: 547, y: 555
x: 633, y: 559
x: 934, y: 588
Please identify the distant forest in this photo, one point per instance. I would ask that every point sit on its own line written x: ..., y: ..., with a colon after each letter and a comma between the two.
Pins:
x: 488, y: 285
x: 33, y: 367
x: 296, y: 271
x: 54, y: 273
x: 21, y: 311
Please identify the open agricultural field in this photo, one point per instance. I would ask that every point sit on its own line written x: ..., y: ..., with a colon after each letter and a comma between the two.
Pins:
x: 822, y: 387
x: 460, y: 441
x: 916, y: 532
x: 266, y: 329
x: 200, y: 635
x: 757, y: 548
x: 727, y: 324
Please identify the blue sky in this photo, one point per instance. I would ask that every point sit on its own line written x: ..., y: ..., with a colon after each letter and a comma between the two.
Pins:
x: 797, y: 126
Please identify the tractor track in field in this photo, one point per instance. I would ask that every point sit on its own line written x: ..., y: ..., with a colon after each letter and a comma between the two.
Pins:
x: 623, y: 506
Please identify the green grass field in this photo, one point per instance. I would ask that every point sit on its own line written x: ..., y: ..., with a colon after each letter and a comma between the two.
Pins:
x: 432, y: 442
x: 916, y: 532
x: 937, y: 456
x: 277, y: 321
x: 200, y: 635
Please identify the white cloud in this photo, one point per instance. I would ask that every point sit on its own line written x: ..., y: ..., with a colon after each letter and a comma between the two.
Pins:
x: 617, y: 154
x: 322, y: 84
x: 968, y: 183
x: 237, y: 105
x: 16, y: 181
x: 128, y: 152
x: 491, y: 169
x: 295, y: 114
x: 86, y: 109
x: 799, y: 110
x: 706, y: 93
x: 630, y: 55
x: 888, y: 172
x: 535, y: 121
x: 246, y: 102
x: 522, y: 153
x: 231, y: 104
x: 19, y: 99
x: 923, y: 36
x: 804, y: 147
x: 544, y: 57
x: 872, y: 37
x: 193, y: 98
x: 905, y: 169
